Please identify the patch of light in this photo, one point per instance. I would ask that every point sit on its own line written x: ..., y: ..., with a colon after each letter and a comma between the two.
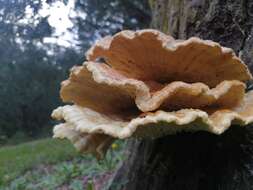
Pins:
x: 20, y: 41
x: 58, y: 41
x: 58, y: 15
x: 29, y: 16
x: 59, y: 18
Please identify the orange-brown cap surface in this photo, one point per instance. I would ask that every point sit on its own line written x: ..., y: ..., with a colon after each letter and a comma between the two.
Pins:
x: 151, y: 86
x: 153, y: 56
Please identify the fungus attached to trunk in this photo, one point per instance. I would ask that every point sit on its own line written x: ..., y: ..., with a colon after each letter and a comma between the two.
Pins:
x: 151, y: 86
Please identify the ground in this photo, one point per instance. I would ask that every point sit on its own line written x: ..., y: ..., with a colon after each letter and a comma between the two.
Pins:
x: 55, y: 164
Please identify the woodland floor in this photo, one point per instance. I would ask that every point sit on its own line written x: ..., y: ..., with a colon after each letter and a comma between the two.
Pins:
x: 50, y: 164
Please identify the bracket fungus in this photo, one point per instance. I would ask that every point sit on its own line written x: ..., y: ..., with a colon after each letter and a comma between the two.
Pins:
x: 149, y: 86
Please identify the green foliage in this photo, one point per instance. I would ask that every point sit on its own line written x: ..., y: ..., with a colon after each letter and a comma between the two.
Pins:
x: 105, y: 17
x: 75, y: 173
x: 30, y: 75
x: 16, y: 159
x: 76, y: 185
x: 31, y: 70
x: 90, y: 186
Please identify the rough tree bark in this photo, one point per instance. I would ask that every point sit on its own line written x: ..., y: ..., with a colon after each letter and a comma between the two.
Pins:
x: 196, y: 161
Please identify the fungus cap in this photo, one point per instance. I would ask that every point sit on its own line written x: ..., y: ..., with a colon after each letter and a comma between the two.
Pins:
x: 156, y: 124
x: 152, y: 85
x: 97, y: 86
x: 153, y: 56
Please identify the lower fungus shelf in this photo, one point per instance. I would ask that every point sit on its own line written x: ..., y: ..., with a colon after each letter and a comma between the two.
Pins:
x: 89, y: 129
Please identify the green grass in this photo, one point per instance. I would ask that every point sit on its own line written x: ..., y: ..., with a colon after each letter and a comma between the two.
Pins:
x: 51, y: 164
x: 16, y: 159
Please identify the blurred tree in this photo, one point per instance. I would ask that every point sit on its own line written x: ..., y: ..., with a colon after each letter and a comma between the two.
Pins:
x: 40, y: 40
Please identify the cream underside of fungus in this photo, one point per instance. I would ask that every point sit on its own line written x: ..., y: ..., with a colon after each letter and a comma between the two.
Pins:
x: 150, y: 86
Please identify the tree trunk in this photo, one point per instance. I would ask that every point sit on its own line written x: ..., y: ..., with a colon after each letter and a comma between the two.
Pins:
x: 196, y: 161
